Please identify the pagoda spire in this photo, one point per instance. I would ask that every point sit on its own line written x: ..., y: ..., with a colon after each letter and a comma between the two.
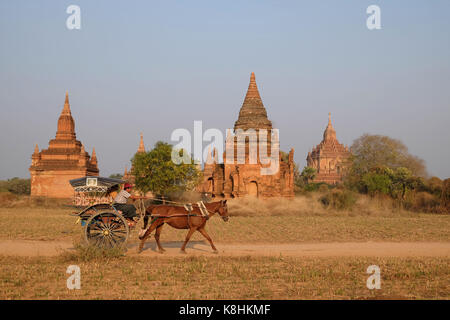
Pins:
x: 94, y: 157
x: 66, y: 109
x: 36, y: 156
x: 141, y: 148
x: 66, y: 124
x: 329, y: 133
x: 83, y: 158
x: 252, y: 91
x: 252, y: 115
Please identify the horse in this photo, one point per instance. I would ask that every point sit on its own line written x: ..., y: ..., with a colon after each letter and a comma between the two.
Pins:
x: 178, y: 217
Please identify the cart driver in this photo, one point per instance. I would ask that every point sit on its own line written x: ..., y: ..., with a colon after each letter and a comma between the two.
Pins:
x: 120, y: 202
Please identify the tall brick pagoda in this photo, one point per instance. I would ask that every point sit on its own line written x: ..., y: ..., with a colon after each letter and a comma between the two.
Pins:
x: 329, y: 157
x: 65, y: 159
x: 232, y: 179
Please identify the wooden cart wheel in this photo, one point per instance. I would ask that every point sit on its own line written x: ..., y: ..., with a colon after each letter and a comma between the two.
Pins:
x: 106, y: 230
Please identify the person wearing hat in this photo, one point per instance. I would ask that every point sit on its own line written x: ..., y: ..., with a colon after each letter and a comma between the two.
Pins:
x: 120, y: 202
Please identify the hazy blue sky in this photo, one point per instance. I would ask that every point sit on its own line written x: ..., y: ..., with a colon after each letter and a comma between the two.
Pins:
x: 154, y: 66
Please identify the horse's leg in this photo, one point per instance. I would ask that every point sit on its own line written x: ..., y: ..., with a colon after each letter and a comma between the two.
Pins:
x: 188, y: 236
x: 147, y: 233
x: 157, y: 233
x: 146, y: 216
x: 144, y: 228
x: 206, y: 235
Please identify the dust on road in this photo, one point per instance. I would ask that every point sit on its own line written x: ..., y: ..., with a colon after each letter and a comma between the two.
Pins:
x: 325, y: 249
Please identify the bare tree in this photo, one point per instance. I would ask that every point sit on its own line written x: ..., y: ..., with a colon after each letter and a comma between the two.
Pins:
x: 377, y: 151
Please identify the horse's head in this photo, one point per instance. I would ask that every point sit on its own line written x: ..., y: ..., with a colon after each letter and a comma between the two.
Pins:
x: 222, y: 210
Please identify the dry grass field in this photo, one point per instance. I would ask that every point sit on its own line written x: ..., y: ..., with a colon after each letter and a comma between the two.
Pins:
x: 219, y: 277
x: 56, y: 224
x: 131, y: 276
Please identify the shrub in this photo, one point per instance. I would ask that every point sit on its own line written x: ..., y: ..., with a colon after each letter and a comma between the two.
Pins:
x: 323, y: 188
x: 338, y: 199
x: 445, y: 194
x: 17, y: 186
x: 3, y: 186
x: 434, y: 185
x: 86, y: 253
x: 423, y: 202
x: 315, y: 186
x: 7, y: 198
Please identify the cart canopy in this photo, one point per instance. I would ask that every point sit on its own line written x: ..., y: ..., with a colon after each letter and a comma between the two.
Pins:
x: 91, y: 183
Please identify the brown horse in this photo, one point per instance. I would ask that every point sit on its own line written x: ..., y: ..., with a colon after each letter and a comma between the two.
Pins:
x: 178, y: 217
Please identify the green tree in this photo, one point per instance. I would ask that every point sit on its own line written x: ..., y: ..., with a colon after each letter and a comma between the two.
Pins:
x: 308, y: 174
x: 401, y: 182
x: 377, y: 182
x: 377, y: 151
x: 156, y: 172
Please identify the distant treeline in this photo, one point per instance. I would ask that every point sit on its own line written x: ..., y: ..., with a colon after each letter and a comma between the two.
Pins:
x: 380, y: 167
x: 16, y: 186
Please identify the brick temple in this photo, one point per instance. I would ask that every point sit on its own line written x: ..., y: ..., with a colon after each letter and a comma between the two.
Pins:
x: 232, y: 180
x: 329, y: 157
x: 65, y: 159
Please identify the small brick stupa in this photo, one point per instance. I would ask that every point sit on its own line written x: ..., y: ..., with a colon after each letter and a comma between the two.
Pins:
x: 65, y: 159
x: 232, y: 179
x: 329, y: 157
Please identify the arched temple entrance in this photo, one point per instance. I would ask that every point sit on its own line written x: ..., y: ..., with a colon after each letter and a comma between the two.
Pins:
x: 211, y: 185
x: 252, y: 189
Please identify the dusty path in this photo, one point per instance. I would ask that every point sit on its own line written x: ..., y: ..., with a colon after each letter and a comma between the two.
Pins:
x: 330, y: 249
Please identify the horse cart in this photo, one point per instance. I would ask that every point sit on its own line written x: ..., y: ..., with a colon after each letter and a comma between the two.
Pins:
x: 104, y: 225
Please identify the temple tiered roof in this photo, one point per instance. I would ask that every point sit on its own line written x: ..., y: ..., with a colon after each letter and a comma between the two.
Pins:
x: 329, y: 144
x: 252, y: 115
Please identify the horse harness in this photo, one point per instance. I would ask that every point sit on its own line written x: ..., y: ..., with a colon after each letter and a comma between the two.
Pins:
x: 188, y: 207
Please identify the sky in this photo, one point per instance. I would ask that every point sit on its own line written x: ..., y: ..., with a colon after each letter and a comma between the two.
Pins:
x: 155, y: 66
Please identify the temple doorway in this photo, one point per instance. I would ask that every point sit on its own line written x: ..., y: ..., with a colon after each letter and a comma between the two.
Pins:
x: 211, y: 185
x: 253, y: 189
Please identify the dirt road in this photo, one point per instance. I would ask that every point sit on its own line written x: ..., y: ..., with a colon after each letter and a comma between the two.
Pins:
x: 330, y: 249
